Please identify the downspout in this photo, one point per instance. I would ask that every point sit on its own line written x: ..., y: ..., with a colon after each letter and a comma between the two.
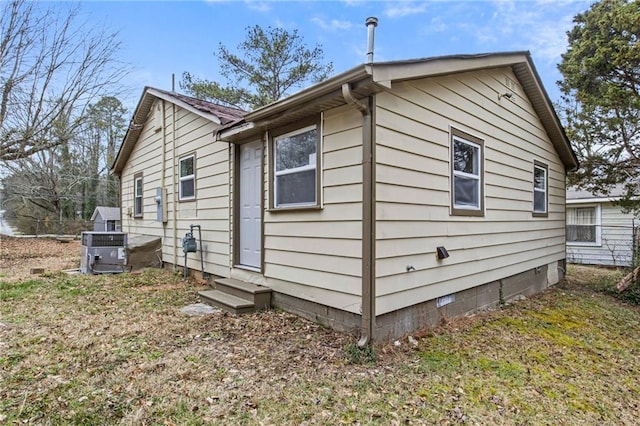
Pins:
x: 368, y: 196
x: 164, y: 146
x: 174, y: 186
x: 164, y: 165
x: 230, y: 199
x: 368, y: 199
x: 120, y: 202
x: 230, y: 202
x: 368, y: 217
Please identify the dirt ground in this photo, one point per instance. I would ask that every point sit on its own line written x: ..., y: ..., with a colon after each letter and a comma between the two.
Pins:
x: 18, y: 256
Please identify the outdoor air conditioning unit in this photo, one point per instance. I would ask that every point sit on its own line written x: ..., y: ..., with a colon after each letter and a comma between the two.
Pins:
x: 103, y: 252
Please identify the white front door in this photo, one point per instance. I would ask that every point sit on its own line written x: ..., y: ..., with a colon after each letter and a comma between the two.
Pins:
x: 250, y: 215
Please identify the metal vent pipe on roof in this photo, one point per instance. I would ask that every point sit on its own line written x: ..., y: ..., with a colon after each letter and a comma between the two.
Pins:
x: 372, y: 23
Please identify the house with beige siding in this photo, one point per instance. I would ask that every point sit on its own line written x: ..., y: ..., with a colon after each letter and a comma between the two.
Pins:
x: 382, y: 200
x: 599, y: 231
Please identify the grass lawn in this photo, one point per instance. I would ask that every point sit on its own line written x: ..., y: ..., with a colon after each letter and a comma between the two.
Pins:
x: 117, y: 350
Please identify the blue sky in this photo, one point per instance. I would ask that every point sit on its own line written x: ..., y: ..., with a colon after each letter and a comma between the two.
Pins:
x: 164, y: 37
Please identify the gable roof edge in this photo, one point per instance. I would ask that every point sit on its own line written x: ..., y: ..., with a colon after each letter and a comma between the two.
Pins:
x: 521, y: 64
x: 139, y: 118
x: 106, y: 212
x: 376, y: 76
x: 535, y: 91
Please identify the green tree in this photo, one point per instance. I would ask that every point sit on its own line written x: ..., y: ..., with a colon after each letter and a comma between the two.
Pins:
x: 105, y: 126
x: 601, y: 97
x: 271, y: 63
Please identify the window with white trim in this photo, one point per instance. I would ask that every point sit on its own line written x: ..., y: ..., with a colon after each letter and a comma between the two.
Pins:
x: 467, y: 175
x: 583, y: 225
x: 137, y: 195
x: 295, y: 164
x: 540, y: 185
x: 187, y: 189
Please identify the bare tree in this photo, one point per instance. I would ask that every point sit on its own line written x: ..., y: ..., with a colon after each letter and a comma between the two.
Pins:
x: 43, y: 189
x: 51, y: 68
x: 58, y: 188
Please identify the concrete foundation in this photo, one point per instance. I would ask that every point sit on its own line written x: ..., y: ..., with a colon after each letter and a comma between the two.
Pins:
x: 337, y: 319
x: 421, y: 316
x: 431, y: 313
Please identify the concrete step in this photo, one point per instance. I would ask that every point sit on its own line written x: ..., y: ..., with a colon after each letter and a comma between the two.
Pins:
x: 256, y: 293
x: 226, y: 301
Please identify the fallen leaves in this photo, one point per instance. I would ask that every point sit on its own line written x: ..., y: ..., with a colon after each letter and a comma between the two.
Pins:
x: 117, y: 350
x: 19, y: 255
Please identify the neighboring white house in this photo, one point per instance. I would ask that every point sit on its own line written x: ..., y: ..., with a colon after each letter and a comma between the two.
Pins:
x: 106, y: 219
x: 598, y: 231
x: 377, y: 202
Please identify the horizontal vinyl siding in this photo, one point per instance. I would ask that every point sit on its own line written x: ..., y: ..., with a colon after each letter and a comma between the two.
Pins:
x: 413, y: 188
x: 210, y: 209
x: 616, y: 248
x: 146, y: 158
x: 316, y: 254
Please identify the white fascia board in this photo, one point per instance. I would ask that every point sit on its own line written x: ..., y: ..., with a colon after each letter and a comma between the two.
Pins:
x: 594, y: 200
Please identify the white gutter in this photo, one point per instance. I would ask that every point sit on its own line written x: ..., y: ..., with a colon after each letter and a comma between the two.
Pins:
x: 309, y: 94
x: 223, y: 135
x: 593, y: 200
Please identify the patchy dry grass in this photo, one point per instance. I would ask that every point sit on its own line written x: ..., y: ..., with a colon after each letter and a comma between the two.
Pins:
x: 117, y: 350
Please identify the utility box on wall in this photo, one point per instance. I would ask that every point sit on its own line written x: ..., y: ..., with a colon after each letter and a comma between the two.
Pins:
x: 161, y: 204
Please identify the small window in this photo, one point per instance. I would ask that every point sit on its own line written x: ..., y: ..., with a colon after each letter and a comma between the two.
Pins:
x: 583, y: 225
x: 467, y: 174
x: 137, y: 195
x: 540, y: 186
x: 295, y: 166
x: 188, y: 178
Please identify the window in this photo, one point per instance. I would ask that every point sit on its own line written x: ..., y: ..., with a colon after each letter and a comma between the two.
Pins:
x: 467, y: 174
x: 583, y: 225
x: 295, y: 166
x: 540, y: 172
x: 113, y: 226
x: 137, y: 195
x: 187, y: 178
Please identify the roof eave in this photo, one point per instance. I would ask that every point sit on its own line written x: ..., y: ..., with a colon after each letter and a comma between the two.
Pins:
x: 535, y: 91
x: 441, y: 65
x: 133, y: 132
x: 593, y: 200
x: 384, y: 73
x: 521, y: 64
x: 235, y: 131
x: 324, y: 95
x: 139, y: 118
x: 169, y: 98
x: 309, y: 94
